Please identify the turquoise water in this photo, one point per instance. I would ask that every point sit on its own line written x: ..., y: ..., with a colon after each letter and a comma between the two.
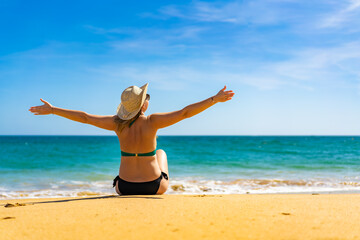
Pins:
x: 50, y: 166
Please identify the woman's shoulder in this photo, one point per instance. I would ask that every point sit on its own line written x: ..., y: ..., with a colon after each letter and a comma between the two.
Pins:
x: 162, y: 120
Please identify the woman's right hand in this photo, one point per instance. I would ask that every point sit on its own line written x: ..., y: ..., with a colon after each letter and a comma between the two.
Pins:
x: 43, y: 109
x: 223, y: 96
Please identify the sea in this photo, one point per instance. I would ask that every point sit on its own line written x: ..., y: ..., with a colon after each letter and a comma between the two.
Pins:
x: 79, y: 166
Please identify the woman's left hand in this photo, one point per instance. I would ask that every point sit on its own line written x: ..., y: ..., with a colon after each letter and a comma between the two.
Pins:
x: 223, y: 96
x: 45, y: 109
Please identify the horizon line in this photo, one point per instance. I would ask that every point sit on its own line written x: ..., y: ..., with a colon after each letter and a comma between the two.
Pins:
x: 200, y: 135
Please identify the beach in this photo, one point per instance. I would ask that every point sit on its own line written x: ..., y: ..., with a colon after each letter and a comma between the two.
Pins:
x: 76, y: 166
x: 221, y: 187
x: 227, y: 216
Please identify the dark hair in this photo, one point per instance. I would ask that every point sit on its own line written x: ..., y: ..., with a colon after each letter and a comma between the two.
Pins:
x: 121, y: 124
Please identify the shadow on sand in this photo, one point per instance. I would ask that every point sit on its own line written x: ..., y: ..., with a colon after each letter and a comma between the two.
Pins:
x: 79, y: 199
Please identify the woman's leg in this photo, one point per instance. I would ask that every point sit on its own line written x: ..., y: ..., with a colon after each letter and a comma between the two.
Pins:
x: 117, y: 188
x: 162, y: 161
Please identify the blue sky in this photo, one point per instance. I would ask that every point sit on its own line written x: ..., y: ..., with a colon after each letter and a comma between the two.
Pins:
x: 293, y: 64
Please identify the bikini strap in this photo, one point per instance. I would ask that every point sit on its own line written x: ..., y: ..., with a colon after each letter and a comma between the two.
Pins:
x: 132, y: 122
x: 126, y: 154
x: 163, y: 174
x: 115, y: 180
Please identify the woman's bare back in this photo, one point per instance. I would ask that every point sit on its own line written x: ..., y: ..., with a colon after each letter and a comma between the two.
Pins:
x: 140, y: 137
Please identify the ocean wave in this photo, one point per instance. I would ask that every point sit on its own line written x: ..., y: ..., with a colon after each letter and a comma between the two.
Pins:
x: 60, y: 189
x: 192, y: 186
x: 258, y: 186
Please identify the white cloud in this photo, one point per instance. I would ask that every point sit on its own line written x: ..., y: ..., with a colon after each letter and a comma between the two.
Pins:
x: 354, y: 4
x: 307, y: 69
x: 164, y: 77
x: 151, y: 40
x: 179, y: 33
x: 318, y: 67
x: 303, y: 16
x: 347, y: 14
x: 238, y: 12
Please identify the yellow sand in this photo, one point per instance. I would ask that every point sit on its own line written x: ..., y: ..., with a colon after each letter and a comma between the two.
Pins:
x: 280, y: 216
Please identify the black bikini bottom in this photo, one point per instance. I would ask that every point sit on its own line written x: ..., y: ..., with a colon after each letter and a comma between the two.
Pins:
x: 139, y: 188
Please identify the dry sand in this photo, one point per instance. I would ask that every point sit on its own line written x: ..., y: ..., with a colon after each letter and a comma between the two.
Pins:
x: 281, y: 216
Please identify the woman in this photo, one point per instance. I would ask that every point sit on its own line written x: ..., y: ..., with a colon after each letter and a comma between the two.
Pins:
x: 143, y: 169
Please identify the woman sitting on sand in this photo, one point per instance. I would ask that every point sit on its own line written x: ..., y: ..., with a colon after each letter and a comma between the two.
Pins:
x: 141, y: 164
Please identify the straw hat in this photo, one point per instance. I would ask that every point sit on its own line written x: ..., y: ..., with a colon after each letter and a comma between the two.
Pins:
x: 132, y: 99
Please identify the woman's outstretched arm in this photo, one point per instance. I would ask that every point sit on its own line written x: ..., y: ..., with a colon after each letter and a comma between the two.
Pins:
x: 105, y: 122
x: 161, y: 120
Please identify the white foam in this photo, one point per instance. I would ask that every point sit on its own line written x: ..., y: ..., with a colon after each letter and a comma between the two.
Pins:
x: 191, y: 185
x: 243, y: 186
x: 62, y: 189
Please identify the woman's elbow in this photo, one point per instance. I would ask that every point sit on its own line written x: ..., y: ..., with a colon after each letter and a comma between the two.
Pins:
x: 185, y: 113
x: 84, y: 118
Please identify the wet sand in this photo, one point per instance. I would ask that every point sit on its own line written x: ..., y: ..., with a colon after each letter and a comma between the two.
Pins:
x: 275, y: 216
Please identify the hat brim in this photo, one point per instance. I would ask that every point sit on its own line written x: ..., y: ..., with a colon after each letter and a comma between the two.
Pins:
x: 125, y: 115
